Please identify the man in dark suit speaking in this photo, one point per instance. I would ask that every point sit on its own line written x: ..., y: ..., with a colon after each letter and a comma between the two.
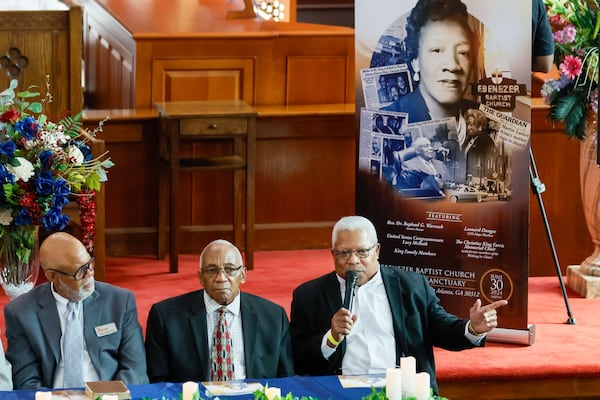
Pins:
x: 394, y: 314
x: 108, y: 342
x: 182, y: 335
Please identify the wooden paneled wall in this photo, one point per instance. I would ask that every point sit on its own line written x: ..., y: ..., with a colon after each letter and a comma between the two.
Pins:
x: 299, y: 76
x: 41, y: 47
x: 557, y: 161
x: 304, y: 181
x: 132, y: 64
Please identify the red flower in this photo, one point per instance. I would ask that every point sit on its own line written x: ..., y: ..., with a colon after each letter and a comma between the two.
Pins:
x: 10, y: 116
x: 87, y: 215
x: 571, y: 67
x: 28, y: 201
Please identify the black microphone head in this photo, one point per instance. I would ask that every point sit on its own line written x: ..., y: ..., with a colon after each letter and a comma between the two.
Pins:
x: 351, y: 275
x: 351, y: 281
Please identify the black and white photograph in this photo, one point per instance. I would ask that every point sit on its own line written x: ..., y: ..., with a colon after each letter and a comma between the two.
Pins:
x: 383, y: 86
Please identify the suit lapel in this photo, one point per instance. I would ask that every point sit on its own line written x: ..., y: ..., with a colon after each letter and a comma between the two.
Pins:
x: 48, y: 317
x: 249, y: 329
x: 333, y: 295
x: 197, y: 321
x: 333, y: 301
x: 92, y: 311
x: 393, y: 288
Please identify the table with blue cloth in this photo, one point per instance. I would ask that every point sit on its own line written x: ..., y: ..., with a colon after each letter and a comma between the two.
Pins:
x: 320, y: 387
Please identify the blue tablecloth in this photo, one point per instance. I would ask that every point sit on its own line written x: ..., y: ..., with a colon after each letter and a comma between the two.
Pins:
x: 321, y: 387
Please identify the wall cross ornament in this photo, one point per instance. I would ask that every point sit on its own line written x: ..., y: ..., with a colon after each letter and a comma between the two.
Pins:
x: 13, y: 62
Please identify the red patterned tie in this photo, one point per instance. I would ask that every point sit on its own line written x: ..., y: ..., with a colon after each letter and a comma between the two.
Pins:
x: 222, y: 366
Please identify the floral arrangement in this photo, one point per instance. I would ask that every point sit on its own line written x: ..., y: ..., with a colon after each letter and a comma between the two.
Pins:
x: 574, y: 95
x: 376, y: 394
x: 43, y: 165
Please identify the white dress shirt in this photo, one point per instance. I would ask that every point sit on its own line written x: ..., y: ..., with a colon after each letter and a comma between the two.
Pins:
x: 89, y: 372
x: 364, y: 354
x: 234, y: 324
x: 371, y: 345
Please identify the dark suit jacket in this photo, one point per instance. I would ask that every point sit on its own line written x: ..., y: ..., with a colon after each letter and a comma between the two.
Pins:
x: 419, y: 321
x: 33, y: 336
x: 177, y: 340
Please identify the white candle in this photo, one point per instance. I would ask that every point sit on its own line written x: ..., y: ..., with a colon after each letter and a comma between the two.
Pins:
x: 408, y: 366
x: 43, y: 395
x: 110, y: 397
x: 273, y: 393
x: 393, y: 384
x: 422, y: 386
x: 189, y: 390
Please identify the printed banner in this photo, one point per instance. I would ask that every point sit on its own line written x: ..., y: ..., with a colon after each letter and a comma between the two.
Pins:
x: 443, y: 165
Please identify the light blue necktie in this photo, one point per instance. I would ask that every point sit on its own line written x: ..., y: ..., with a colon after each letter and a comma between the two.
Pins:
x: 72, y: 348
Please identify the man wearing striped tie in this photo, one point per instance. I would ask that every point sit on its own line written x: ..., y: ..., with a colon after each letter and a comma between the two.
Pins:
x: 218, y: 333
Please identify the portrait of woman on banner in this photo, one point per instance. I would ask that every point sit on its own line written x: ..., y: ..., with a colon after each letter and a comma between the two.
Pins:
x: 442, y: 49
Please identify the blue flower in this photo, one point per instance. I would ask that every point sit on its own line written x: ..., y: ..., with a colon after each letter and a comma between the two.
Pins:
x: 46, y: 158
x: 44, y: 183
x: 28, y: 127
x: 23, y: 218
x: 5, y: 175
x: 8, y: 148
x: 61, y: 193
x: 55, y: 219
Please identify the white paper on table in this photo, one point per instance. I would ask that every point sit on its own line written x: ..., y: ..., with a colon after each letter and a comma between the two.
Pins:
x: 362, y: 381
x: 232, y: 388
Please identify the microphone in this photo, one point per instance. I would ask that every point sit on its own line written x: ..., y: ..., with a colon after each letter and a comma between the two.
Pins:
x: 351, y: 280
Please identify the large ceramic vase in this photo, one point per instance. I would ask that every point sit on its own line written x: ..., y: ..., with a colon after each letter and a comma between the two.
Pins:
x: 589, y: 176
x: 19, y: 259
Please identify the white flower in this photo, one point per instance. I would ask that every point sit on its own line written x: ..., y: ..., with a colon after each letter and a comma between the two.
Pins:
x: 22, y: 172
x: 75, y: 154
x: 5, y: 216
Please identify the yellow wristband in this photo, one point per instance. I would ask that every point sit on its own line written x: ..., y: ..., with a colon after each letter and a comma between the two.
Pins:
x: 472, y: 330
x: 332, y: 339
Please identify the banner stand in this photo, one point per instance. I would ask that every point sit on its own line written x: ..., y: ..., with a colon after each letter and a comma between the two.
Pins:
x: 447, y: 188
x: 513, y: 336
x: 538, y: 188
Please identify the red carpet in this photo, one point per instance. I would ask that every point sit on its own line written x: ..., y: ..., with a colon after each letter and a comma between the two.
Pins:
x: 559, y: 351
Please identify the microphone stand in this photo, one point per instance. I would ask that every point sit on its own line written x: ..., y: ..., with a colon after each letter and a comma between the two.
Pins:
x: 538, y: 188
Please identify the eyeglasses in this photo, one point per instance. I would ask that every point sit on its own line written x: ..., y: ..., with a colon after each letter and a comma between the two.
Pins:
x: 346, y: 253
x: 81, y: 271
x: 229, y: 270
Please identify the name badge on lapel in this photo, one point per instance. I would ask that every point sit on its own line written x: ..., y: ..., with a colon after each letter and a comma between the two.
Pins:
x: 105, y: 329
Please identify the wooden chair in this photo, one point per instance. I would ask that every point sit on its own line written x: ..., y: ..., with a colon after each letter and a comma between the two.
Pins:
x: 201, y: 122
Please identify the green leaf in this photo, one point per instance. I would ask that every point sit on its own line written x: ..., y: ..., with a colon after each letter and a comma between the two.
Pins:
x: 570, y: 108
x: 35, y: 107
x: 93, y: 182
x: 107, y: 163
x: 72, y: 125
x: 27, y: 93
